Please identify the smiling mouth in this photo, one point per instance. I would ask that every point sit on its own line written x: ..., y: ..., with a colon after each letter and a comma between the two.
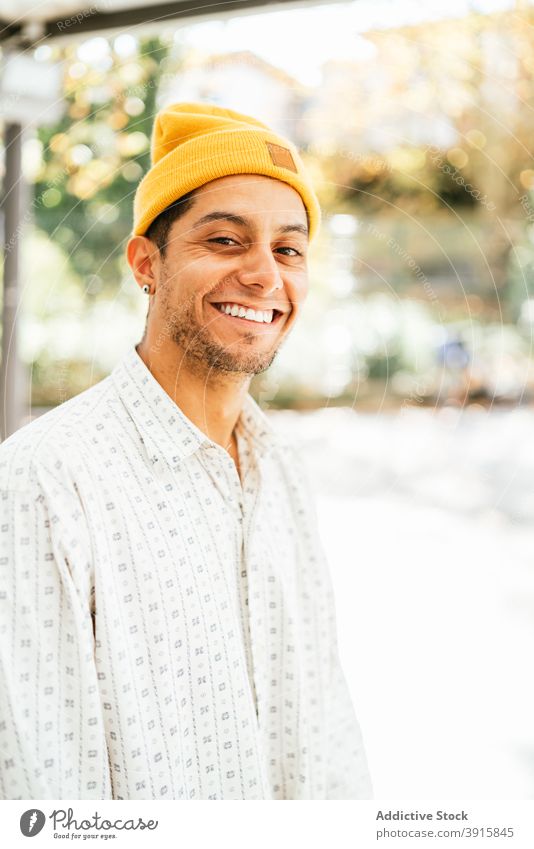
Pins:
x: 247, y: 322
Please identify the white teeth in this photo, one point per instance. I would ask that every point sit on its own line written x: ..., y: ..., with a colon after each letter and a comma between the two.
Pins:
x: 260, y: 316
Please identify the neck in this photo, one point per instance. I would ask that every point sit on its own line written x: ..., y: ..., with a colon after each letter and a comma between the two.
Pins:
x: 212, y: 401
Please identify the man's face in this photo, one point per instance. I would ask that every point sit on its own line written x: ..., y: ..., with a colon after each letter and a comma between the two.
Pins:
x: 243, y: 245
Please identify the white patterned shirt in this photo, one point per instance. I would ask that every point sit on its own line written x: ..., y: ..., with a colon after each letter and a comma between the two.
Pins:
x: 166, y: 630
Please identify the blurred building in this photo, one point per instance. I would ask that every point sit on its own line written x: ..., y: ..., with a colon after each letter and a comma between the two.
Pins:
x: 240, y: 81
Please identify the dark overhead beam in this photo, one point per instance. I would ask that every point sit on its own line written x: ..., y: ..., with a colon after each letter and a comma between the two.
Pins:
x: 89, y: 20
x: 9, y: 30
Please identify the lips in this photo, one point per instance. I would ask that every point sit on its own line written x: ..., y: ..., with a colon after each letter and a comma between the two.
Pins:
x: 258, y: 307
x: 277, y: 315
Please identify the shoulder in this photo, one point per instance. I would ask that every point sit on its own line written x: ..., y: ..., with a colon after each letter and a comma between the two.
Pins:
x: 49, y: 445
x: 289, y: 456
x: 287, y: 444
x: 267, y: 431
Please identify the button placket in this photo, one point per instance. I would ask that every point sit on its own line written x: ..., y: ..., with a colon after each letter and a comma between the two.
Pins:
x: 233, y: 492
x: 252, y: 497
x: 234, y: 495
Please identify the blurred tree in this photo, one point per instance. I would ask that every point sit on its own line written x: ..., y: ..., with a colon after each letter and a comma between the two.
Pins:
x: 438, y: 118
x: 95, y: 156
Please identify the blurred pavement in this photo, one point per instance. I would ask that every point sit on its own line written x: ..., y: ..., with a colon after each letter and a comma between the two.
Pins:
x: 426, y: 518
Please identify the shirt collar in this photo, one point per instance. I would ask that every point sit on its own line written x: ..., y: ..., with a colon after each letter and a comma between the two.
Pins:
x: 164, y: 428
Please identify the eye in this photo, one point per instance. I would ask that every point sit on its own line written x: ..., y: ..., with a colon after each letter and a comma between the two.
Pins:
x: 223, y: 240
x: 295, y: 251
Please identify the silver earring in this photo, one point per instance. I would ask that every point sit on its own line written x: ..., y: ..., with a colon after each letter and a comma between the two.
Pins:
x: 146, y: 289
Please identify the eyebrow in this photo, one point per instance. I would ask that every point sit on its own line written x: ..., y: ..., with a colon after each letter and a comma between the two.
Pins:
x: 246, y: 222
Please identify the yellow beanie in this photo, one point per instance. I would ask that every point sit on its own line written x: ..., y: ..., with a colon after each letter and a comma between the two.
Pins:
x: 194, y: 143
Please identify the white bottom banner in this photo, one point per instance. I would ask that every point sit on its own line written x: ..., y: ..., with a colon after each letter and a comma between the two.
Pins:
x: 264, y: 825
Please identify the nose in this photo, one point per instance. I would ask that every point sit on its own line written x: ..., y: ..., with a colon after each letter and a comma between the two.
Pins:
x: 259, y: 268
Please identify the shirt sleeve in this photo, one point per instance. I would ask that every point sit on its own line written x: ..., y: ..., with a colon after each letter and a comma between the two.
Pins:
x: 347, y: 772
x: 52, y: 739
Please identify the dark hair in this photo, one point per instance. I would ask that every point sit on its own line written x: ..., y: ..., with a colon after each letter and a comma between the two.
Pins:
x: 158, y: 230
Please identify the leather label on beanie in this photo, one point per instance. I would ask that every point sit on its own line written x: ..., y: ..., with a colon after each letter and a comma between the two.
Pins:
x: 281, y: 156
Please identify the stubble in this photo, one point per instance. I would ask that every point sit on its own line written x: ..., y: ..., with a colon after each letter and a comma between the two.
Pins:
x: 203, y: 353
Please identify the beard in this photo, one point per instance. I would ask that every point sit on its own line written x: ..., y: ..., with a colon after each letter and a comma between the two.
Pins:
x: 203, y: 353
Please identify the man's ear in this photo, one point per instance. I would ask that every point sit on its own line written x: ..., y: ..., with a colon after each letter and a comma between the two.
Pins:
x: 144, y: 260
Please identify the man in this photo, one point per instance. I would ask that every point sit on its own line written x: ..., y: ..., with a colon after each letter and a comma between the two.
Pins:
x: 168, y: 620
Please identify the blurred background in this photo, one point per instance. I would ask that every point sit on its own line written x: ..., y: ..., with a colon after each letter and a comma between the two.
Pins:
x: 409, y: 382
